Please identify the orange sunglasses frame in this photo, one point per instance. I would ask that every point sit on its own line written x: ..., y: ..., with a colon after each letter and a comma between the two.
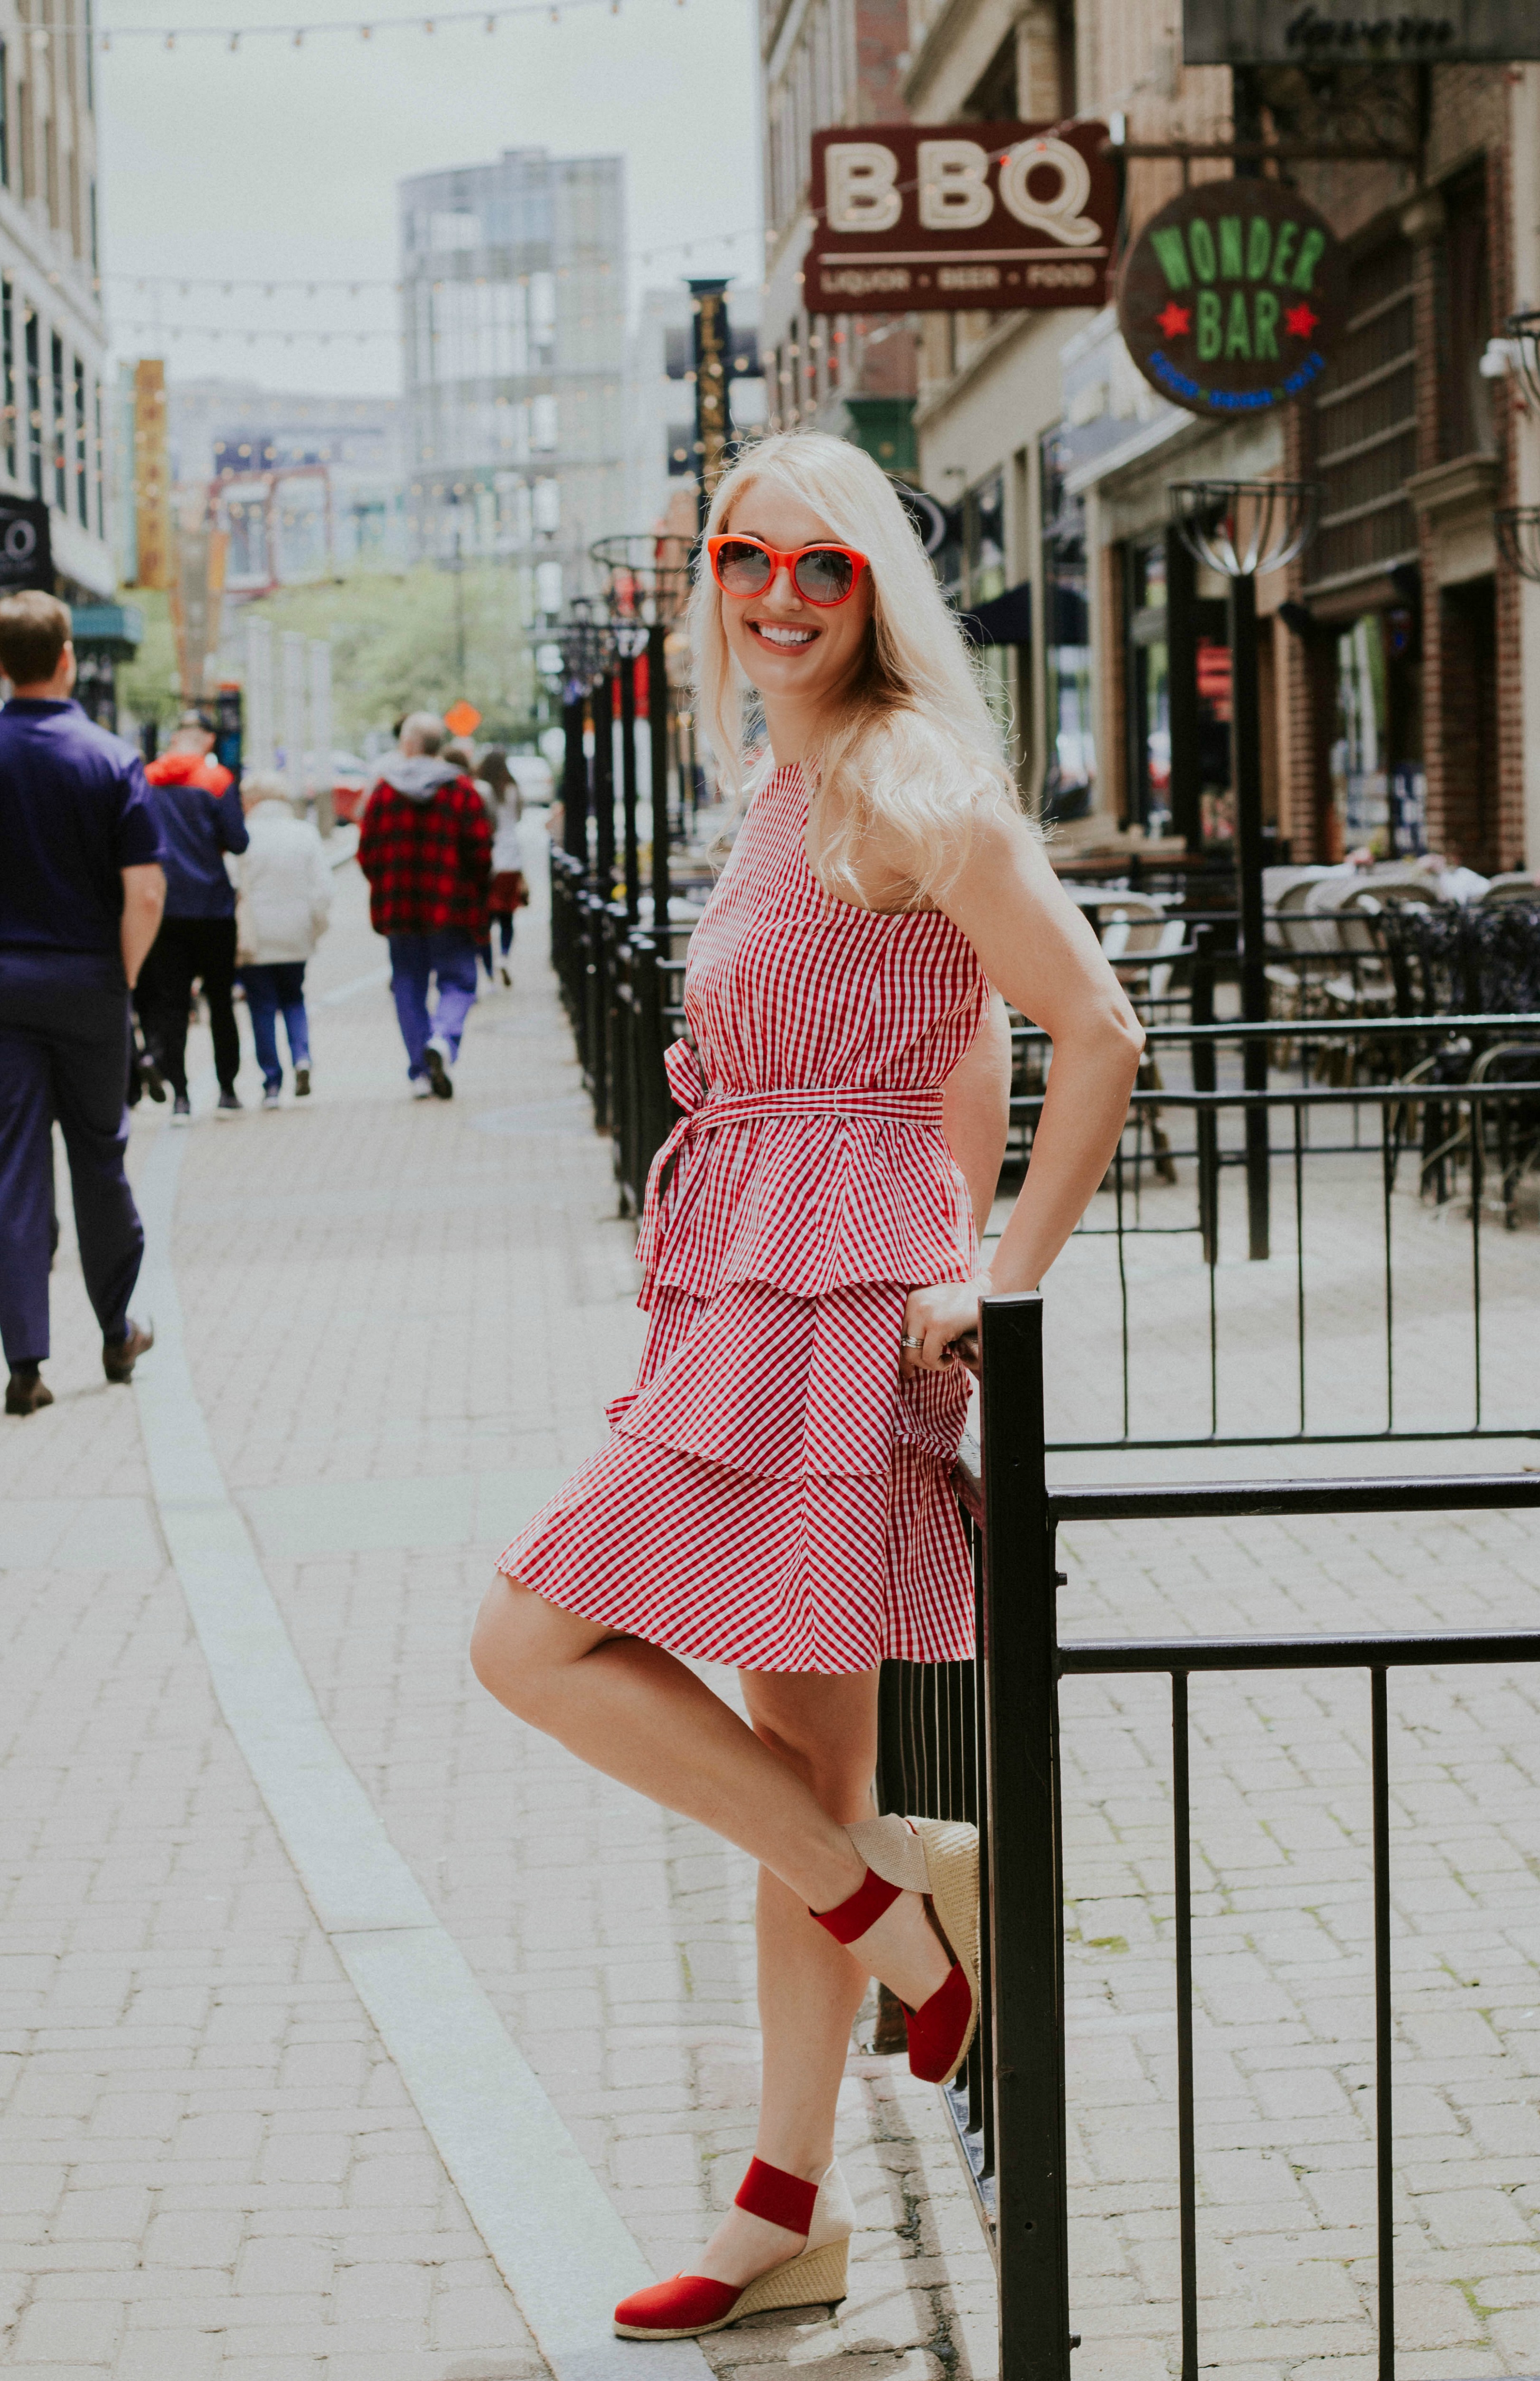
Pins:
x: 788, y: 562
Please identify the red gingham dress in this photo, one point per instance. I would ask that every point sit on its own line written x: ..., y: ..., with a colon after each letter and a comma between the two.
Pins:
x: 773, y: 1495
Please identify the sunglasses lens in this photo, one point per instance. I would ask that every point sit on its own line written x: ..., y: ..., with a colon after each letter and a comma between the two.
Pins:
x: 825, y: 575
x: 742, y: 568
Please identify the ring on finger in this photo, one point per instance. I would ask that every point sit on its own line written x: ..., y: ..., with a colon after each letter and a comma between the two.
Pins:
x: 907, y: 1342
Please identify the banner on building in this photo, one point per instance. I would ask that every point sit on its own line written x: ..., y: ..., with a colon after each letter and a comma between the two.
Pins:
x: 26, y: 551
x: 1315, y: 32
x: 978, y: 216
x: 713, y: 360
x: 197, y: 604
x: 152, y: 475
x: 1231, y: 298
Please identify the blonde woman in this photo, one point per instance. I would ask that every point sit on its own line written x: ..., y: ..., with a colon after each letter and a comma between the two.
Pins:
x: 775, y: 1492
x: 282, y: 904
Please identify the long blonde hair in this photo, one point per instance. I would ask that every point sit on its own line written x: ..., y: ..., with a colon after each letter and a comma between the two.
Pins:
x: 916, y: 749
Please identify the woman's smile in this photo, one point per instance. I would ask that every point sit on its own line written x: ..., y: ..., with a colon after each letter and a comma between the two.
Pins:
x: 781, y: 636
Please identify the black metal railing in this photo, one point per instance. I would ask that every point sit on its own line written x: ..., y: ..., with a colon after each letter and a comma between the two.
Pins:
x: 1411, y: 1324
x: 983, y: 1739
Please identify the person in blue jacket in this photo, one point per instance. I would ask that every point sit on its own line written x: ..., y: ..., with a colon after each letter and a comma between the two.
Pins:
x: 80, y: 892
x: 198, y: 803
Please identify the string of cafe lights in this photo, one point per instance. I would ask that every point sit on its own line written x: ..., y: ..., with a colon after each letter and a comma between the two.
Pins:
x: 272, y: 285
x: 234, y: 331
x: 363, y: 28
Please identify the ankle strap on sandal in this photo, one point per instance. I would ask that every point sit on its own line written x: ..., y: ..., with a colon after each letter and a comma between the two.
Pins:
x: 864, y: 1907
x: 778, y: 2197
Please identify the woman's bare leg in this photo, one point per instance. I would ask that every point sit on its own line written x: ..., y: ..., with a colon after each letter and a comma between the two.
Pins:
x: 809, y: 1987
x: 632, y: 1711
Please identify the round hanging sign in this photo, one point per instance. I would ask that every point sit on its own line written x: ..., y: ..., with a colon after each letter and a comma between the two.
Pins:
x: 1230, y: 299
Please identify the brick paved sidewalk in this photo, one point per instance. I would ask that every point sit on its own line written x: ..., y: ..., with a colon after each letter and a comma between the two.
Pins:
x: 403, y: 1320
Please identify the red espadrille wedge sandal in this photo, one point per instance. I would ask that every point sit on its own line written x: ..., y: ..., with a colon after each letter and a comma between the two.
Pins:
x: 938, y: 1858
x: 691, y: 2303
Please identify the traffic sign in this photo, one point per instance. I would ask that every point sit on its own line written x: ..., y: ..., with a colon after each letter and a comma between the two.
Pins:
x: 462, y: 718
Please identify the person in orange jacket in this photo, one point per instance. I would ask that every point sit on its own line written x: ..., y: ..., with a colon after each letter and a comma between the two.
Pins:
x: 197, y: 804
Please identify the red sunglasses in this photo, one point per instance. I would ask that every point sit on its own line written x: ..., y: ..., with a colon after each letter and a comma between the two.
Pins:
x: 825, y: 575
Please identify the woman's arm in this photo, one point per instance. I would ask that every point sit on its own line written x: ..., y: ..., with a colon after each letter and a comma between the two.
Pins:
x: 975, y: 1109
x: 1037, y: 948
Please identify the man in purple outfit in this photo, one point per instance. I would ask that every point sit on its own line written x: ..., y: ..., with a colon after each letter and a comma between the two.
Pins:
x: 81, y: 890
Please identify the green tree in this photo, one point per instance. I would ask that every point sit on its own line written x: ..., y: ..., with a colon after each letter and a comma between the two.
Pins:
x: 395, y: 643
x: 148, y: 684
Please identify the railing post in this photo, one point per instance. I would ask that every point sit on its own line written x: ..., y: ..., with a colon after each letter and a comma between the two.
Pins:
x: 1204, y: 1078
x: 1019, y: 1654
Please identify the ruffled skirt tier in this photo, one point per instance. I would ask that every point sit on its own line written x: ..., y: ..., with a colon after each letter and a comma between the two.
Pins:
x: 773, y: 1495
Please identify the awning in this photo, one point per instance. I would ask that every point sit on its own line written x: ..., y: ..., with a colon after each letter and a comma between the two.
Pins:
x: 116, y: 629
x: 1007, y: 620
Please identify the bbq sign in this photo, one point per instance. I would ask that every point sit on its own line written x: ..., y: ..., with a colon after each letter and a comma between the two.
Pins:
x: 1230, y: 299
x: 988, y: 216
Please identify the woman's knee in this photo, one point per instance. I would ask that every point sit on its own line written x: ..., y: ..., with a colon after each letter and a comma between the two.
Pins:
x: 830, y: 1741
x: 511, y: 1649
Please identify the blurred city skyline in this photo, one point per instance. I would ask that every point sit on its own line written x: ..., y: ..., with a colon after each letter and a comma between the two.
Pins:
x: 280, y: 162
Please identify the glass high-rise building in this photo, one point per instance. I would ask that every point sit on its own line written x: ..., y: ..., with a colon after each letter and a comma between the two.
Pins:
x: 513, y: 327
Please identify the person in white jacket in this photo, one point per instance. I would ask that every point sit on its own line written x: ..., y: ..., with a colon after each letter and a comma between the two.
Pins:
x: 283, y: 902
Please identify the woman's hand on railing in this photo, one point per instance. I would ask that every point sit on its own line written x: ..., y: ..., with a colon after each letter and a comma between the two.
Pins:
x: 943, y: 1318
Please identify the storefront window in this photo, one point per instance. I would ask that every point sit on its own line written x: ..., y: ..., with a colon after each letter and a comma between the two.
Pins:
x: 1149, y: 688
x: 1069, y: 787
x: 1216, y: 795
x: 1377, y: 789
x: 984, y: 578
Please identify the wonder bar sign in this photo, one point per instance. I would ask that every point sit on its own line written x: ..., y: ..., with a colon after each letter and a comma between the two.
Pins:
x: 991, y: 216
x: 1230, y: 298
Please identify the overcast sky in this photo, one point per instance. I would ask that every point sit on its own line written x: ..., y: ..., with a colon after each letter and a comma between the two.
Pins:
x: 281, y: 160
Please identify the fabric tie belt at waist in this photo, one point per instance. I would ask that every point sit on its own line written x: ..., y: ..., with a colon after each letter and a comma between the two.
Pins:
x: 704, y: 1110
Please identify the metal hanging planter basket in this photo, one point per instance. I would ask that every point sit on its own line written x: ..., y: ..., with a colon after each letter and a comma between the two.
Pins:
x: 1244, y: 528
x: 1517, y: 534
x: 647, y: 577
x: 1522, y: 334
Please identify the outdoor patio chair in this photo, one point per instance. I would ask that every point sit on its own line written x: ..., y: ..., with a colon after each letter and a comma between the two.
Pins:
x: 1311, y: 946
x: 1364, y: 987
x: 1515, y: 886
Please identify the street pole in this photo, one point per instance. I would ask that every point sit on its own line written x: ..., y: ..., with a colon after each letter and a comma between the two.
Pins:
x: 460, y: 603
x: 574, y: 778
x: 657, y: 725
x: 632, y: 858
x: 604, y: 787
x: 1246, y: 769
x: 713, y: 366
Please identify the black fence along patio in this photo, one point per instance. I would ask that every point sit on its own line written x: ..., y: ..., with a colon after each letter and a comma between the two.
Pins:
x: 984, y: 1740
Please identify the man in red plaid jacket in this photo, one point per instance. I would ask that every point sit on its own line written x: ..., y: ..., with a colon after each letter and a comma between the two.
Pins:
x: 425, y: 846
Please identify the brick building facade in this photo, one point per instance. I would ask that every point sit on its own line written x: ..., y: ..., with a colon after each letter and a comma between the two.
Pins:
x: 1393, y: 686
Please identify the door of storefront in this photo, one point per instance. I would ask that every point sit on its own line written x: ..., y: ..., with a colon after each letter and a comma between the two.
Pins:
x: 1378, y: 799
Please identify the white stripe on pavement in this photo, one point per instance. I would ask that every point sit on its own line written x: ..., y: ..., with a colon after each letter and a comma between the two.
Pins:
x: 558, y: 2241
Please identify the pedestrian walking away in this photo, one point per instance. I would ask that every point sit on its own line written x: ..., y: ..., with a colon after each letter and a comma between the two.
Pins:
x: 510, y: 891
x: 425, y: 846
x: 199, y: 807
x: 775, y: 1490
x: 80, y: 895
x: 282, y: 904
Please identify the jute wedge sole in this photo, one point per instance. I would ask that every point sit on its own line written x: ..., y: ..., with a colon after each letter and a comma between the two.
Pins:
x: 953, y: 1872
x: 815, y: 2279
